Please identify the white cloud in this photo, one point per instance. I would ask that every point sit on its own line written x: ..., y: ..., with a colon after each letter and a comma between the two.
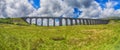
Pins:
x: 56, y: 8
x: 15, y: 8
x: 109, y: 10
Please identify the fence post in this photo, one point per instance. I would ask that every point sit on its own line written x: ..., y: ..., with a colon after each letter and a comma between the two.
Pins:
x: 100, y: 21
x: 87, y: 21
x: 66, y: 20
x: 41, y: 21
x: 30, y: 20
x: 47, y: 21
x: 60, y: 21
x: 83, y: 21
x: 96, y: 21
x: 79, y: 21
x: 35, y: 21
x: 53, y: 21
x: 75, y: 21
x: 93, y: 21
x: 71, y: 21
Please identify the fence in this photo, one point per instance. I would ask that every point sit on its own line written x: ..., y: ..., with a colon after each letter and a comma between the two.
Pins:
x: 72, y: 21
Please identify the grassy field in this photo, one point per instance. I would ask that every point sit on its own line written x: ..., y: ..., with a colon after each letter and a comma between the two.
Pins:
x: 17, y: 35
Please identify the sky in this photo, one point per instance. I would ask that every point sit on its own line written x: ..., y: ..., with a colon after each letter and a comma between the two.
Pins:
x: 60, y: 8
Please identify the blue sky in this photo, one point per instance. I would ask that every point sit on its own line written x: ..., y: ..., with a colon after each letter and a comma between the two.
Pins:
x: 36, y: 3
x: 77, y: 12
x: 101, y: 3
x: 61, y: 8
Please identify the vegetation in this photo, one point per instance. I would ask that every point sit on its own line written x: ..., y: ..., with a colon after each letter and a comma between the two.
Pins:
x: 17, y: 35
x: 112, y: 17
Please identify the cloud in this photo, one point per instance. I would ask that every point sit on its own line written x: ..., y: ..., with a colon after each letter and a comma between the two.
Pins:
x: 109, y: 10
x: 79, y: 3
x: 50, y: 8
x: 57, y: 8
x: 15, y: 8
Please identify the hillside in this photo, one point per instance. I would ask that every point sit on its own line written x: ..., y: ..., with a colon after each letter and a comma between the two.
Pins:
x: 17, y: 35
x: 112, y: 17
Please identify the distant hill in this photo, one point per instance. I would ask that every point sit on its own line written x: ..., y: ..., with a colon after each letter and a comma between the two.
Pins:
x: 17, y: 21
x: 113, y: 17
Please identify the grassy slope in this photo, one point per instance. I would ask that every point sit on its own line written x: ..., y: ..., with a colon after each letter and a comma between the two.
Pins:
x: 83, y: 37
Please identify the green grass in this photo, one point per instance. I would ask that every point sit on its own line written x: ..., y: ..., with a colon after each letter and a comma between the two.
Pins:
x: 80, y: 37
